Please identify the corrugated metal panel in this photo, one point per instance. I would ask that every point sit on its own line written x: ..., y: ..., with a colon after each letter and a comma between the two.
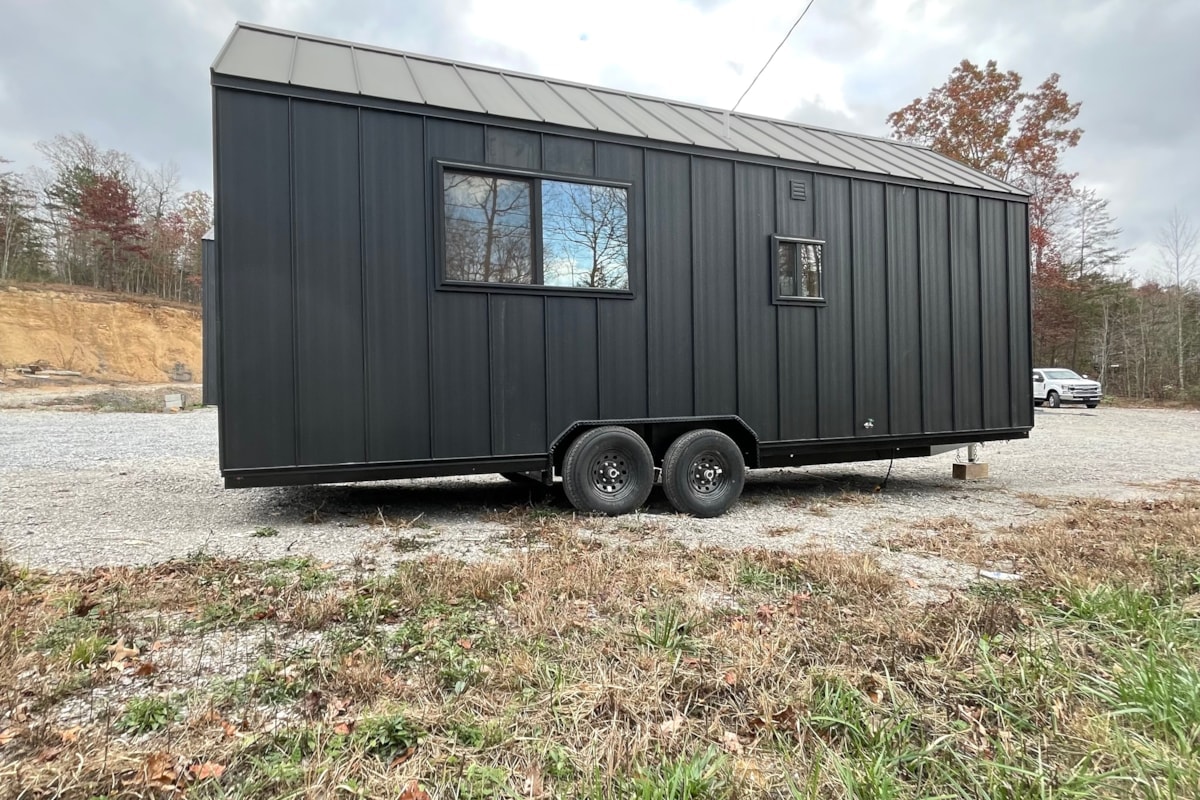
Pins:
x: 395, y: 286
x: 597, y: 115
x: 497, y: 96
x: 869, y: 289
x: 324, y: 66
x: 798, y: 411
x: 572, y: 366
x: 669, y: 283
x: 518, y: 358
x: 330, y: 383
x: 714, y: 286
x: 993, y: 311
x: 1017, y: 251
x: 257, y: 54
x: 209, y: 298
x: 385, y: 76
x: 568, y: 154
x: 757, y: 337
x: 835, y: 331
x: 937, y: 374
x: 965, y: 325
x: 904, y: 310
x: 622, y: 326
x: 266, y: 54
x: 254, y: 227
x: 441, y: 85
x: 638, y: 115
x: 548, y: 103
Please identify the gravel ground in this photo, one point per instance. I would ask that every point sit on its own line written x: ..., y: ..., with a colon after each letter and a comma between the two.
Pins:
x: 80, y: 489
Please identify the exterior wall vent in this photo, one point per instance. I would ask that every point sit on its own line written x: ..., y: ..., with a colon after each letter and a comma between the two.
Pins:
x: 799, y: 190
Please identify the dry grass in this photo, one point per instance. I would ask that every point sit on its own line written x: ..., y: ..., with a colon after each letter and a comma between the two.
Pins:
x: 622, y: 666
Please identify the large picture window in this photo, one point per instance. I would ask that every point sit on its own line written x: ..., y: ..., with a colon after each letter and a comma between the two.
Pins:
x: 511, y: 229
x: 798, y: 269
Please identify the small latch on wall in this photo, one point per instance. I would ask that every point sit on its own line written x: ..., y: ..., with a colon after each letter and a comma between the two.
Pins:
x: 870, y: 423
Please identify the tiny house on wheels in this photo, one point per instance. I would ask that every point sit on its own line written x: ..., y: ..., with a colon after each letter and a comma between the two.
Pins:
x: 432, y: 268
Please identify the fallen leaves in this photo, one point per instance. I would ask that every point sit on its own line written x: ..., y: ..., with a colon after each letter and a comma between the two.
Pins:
x: 413, y: 791
x: 731, y: 743
x: 671, y: 726
x: 206, y: 770
x: 7, y: 735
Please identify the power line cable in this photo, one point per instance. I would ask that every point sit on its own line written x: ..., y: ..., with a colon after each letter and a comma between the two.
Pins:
x: 769, y: 60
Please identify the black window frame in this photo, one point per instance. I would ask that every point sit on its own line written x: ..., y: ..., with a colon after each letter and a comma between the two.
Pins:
x: 791, y: 300
x: 534, y: 177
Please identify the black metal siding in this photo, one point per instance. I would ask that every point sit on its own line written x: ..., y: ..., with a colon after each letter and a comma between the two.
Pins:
x: 396, y: 286
x: 714, y: 288
x: 341, y: 348
x: 870, y: 311
x: 330, y: 376
x: 904, y: 311
x: 835, y: 331
x: 796, y: 325
x: 254, y: 256
x: 669, y: 284
x: 210, y: 336
x: 757, y: 340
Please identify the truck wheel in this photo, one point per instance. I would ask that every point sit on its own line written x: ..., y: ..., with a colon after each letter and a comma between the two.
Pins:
x: 1052, y: 400
x: 609, y: 470
x: 703, y: 473
x: 1092, y: 405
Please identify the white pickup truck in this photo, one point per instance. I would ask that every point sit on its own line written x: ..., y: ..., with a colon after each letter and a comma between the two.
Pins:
x: 1057, y: 386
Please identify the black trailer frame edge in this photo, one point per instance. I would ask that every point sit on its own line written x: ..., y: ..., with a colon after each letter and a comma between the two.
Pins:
x: 771, y: 455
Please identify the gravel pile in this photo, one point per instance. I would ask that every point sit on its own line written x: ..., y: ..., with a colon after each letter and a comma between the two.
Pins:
x: 84, y: 489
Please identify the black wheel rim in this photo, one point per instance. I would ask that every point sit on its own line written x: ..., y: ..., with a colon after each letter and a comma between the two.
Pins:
x: 708, y: 474
x: 610, y: 473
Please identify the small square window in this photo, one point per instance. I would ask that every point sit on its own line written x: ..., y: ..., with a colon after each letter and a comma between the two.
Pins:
x: 798, y: 269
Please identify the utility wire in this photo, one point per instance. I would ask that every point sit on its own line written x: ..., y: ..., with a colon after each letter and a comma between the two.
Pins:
x: 764, y: 66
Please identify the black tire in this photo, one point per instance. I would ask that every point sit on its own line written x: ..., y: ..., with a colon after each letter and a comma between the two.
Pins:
x: 703, y: 473
x: 1092, y: 405
x: 1053, y: 401
x: 608, y: 470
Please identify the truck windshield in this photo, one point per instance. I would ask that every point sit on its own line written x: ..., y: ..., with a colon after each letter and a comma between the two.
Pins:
x: 1061, y: 375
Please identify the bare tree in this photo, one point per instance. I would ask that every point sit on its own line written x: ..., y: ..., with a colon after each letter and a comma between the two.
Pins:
x: 587, y: 234
x: 488, y: 229
x: 1177, y: 245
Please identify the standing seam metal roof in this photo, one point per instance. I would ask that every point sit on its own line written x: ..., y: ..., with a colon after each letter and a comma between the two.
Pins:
x: 297, y: 59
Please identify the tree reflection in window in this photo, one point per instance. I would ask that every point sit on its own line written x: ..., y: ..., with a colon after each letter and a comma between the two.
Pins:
x: 489, y: 230
x: 799, y: 267
x: 585, y: 235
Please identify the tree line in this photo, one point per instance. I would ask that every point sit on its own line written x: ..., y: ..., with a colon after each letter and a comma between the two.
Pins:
x: 1138, y: 334
x: 95, y: 217
x: 87, y: 216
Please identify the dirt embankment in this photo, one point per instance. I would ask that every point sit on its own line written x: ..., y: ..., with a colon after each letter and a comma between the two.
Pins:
x: 106, y: 337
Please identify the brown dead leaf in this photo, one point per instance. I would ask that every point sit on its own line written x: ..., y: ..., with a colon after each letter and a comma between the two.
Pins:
x: 206, y: 770
x: 465, y: 643
x: 49, y: 753
x: 341, y: 729
x: 413, y: 791
x: 912, y: 584
x: 670, y: 726
x: 875, y: 695
x: 796, y: 602
x: 159, y: 768
x: 120, y: 652
x: 731, y: 743
x: 765, y: 612
x: 535, y: 786
x: 7, y: 735
x: 404, y: 756
x: 731, y: 677
x: 145, y: 669
x: 70, y: 735
x: 231, y: 730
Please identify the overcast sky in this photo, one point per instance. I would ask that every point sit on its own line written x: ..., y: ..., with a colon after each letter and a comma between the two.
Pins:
x: 133, y: 74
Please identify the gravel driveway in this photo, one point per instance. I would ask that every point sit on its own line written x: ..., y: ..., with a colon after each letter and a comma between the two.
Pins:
x: 84, y: 489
